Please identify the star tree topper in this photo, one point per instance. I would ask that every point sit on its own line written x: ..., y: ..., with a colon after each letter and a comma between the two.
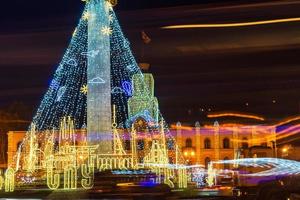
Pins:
x: 112, y: 2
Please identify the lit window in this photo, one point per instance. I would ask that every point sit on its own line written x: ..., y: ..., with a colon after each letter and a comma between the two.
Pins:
x: 188, y: 142
x: 226, y: 143
x: 207, y: 143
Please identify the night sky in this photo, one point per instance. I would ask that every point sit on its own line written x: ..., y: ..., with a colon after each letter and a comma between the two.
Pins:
x: 216, y: 69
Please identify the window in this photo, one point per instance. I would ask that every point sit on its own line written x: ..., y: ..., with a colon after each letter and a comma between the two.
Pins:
x: 140, y: 145
x: 226, y: 143
x: 226, y: 165
x: 245, y: 143
x: 207, y: 143
x: 188, y: 142
x: 206, y: 161
x: 170, y: 144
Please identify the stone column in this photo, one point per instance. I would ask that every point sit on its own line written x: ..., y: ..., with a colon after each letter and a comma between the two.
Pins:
x: 11, y: 148
x: 254, y: 140
x: 98, y: 77
x: 179, y: 134
x: 198, y: 143
x: 217, y: 141
x: 235, y: 144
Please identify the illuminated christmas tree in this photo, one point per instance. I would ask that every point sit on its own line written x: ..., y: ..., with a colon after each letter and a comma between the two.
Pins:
x: 68, y: 94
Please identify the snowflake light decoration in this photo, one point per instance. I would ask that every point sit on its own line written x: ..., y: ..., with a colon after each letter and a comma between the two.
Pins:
x: 108, y: 6
x: 106, y: 30
x: 110, y: 18
x: 86, y: 15
x: 84, y: 89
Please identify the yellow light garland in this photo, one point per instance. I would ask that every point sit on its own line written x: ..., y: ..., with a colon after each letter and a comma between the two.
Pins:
x: 70, y: 177
x: 9, y: 180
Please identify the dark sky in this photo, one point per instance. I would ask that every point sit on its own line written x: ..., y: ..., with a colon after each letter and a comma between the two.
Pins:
x: 219, y: 69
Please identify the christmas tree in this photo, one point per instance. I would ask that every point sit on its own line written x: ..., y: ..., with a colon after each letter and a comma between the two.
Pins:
x: 69, y: 88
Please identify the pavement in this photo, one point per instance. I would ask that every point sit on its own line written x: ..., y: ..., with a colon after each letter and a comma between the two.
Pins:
x: 84, y: 194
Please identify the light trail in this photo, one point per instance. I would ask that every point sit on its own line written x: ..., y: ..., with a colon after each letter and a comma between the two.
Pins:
x: 287, y: 134
x: 174, y: 126
x: 272, y: 166
x: 289, y: 129
x: 174, y: 166
x: 228, y: 25
x: 236, y: 115
x: 288, y: 121
x: 254, y: 140
x: 295, y: 138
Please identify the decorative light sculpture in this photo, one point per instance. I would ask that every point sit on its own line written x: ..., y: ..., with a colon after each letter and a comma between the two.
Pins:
x: 211, y: 175
x: 9, y: 180
x: 97, y: 71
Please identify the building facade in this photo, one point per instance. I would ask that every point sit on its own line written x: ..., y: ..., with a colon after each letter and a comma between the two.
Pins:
x: 200, y: 145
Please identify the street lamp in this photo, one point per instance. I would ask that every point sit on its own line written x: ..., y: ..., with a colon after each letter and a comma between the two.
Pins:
x: 284, y: 150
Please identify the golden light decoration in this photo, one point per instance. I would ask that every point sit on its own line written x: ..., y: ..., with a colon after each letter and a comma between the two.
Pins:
x: 249, y: 116
x: 134, y: 148
x: 74, y: 32
x: 86, y: 15
x: 110, y: 18
x: 210, y: 179
x: 63, y: 165
x: 53, y: 179
x: 113, y: 2
x: 2, y: 181
x: 182, y: 178
x: 88, y: 176
x: 70, y: 177
x: 106, y: 30
x: 108, y: 6
x: 30, y: 161
x: 238, y: 24
x: 118, y: 147
x: 10, y: 180
x: 84, y: 89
